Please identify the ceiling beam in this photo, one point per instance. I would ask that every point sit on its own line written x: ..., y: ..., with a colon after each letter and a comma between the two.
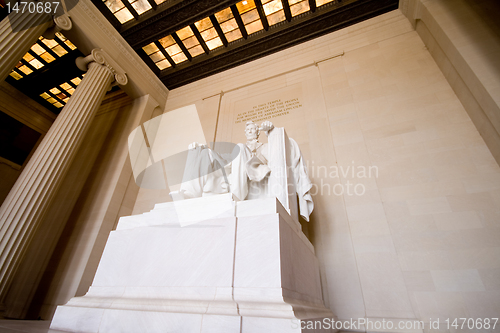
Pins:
x: 165, y: 54
x: 131, y: 9
x: 64, y: 46
x: 27, y: 64
x: 71, y: 84
x: 286, y: 9
x: 55, y: 96
x: 217, y: 27
x: 239, y: 21
x: 47, y: 49
x: 199, y: 38
x: 168, y: 19
x: 312, y: 5
x: 262, y: 14
x: 181, y: 45
x: 15, y: 69
x: 37, y: 57
x: 153, y: 4
x: 150, y: 62
x: 303, y: 28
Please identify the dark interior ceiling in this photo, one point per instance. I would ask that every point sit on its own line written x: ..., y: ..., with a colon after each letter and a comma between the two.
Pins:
x: 47, y: 72
x: 184, y: 41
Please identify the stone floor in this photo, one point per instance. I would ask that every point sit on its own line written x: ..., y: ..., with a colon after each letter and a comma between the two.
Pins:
x: 25, y: 326
x: 30, y: 326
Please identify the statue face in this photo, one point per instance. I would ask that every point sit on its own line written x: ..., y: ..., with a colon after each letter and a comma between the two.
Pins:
x: 251, y: 132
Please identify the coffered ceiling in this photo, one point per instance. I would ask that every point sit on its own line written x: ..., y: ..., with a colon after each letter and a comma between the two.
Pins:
x: 184, y: 41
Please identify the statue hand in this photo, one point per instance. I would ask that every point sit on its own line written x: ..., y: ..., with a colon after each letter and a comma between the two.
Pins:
x: 266, y: 126
x: 196, y: 144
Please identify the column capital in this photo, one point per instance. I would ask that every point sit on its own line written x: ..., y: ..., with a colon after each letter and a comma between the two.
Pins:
x: 63, y: 22
x: 60, y: 22
x: 100, y: 57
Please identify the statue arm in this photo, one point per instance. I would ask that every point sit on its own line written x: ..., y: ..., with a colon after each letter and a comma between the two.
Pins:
x: 266, y: 127
x: 196, y: 144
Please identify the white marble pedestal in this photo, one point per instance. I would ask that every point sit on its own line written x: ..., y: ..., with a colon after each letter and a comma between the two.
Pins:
x: 247, y: 267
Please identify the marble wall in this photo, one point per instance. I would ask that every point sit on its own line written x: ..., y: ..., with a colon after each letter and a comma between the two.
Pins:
x: 463, y: 39
x: 422, y: 239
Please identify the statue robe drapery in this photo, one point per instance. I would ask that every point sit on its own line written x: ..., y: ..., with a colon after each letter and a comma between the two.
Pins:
x: 206, y: 174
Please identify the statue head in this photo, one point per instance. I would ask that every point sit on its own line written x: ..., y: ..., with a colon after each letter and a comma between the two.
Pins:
x: 251, y: 130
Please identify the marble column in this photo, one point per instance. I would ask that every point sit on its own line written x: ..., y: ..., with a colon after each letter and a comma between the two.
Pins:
x: 31, y: 195
x: 19, y: 31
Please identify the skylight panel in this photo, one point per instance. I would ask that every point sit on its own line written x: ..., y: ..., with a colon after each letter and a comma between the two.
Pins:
x: 16, y: 75
x: 60, y: 95
x: 190, y: 41
x: 76, y: 81
x: 274, y: 11
x: 119, y: 10
x: 214, y: 43
x: 124, y: 15
x: 157, y: 56
x: 114, y: 5
x: 224, y: 15
x: 185, y: 33
x: 203, y: 24
x: 322, y: 2
x: 173, y: 49
x: 51, y: 43
x: 59, y: 50
x: 140, y: 6
x: 167, y: 41
x: 228, y: 24
x: 43, y: 52
x: 163, y: 64
x: 68, y: 88
x: 178, y: 57
x: 298, y: 6
x: 208, y: 33
x: 23, y: 68
x: 233, y: 35
x: 249, y: 16
x: 150, y: 48
x: 245, y: 6
x: 30, y: 59
x: 54, y: 46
